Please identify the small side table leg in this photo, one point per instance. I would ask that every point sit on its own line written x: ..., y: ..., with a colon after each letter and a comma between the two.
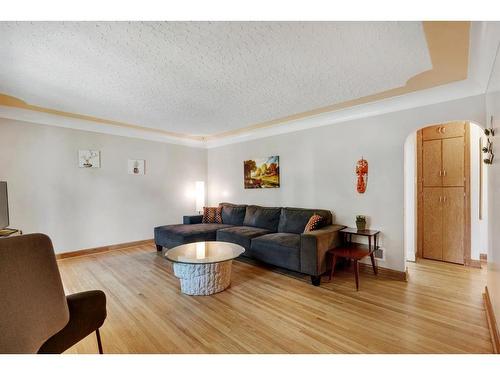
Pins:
x: 374, y: 266
x: 334, y: 262
x: 356, y: 273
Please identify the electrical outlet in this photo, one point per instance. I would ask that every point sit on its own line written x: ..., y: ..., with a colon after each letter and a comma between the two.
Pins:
x: 379, y: 254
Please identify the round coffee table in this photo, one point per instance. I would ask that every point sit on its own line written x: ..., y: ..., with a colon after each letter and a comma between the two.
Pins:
x: 204, y: 268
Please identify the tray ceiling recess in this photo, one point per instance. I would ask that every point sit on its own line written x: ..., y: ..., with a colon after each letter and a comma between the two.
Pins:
x: 210, y: 80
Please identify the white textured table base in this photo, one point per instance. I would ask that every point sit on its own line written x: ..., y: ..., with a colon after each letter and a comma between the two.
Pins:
x: 203, y: 279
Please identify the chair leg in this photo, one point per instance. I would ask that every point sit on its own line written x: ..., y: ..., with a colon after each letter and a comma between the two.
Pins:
x: 159, y: 248
x: 99, y: 344
x: 374, y: 266
x: 356, y: 273
x: 334, y: 262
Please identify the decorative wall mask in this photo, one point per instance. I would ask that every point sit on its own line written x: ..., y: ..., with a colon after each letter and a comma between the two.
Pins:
x: 362, y: 173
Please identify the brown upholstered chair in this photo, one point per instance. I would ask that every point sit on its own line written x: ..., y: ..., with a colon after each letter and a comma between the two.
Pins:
x: 35, y: 314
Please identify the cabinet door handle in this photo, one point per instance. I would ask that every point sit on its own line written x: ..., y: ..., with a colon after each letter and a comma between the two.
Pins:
x: 440, y: 199
x: 440, y: 173
x: 444, y: 172
x: 443, y: 130
x: 438, y: 129
x: 444, y: 199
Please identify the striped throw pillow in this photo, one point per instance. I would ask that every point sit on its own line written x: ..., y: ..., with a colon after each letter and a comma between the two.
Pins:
x: 212, y: 215
x: 313, y: 223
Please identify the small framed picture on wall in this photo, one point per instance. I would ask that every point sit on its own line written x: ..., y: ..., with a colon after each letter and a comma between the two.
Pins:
x: 136, y: 166
x: 89, y: 159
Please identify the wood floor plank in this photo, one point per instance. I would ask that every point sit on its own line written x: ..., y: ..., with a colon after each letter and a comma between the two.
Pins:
x: 439, y: 310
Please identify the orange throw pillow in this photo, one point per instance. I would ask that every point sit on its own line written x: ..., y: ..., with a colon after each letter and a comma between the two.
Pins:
x: 313, y: 223
x: 212, y: 215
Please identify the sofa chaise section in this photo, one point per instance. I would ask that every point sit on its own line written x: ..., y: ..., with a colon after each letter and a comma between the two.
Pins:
x: 179, y: 234
x: 193, y: 230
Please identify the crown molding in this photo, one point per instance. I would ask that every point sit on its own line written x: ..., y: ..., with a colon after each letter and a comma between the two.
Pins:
x: 422, y: 98
x: 43, y: 118
x: 452, y: 91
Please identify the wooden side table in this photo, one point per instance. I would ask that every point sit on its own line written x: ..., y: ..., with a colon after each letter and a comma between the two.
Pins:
x: 356, y: 251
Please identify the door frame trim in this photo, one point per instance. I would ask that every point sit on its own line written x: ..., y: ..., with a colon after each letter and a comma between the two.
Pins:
x: 467, y: 213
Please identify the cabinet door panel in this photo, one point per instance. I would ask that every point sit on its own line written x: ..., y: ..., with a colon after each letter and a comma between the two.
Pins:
x: 453, y: 129
x: 432, y: 132
x: 453, y: 224
x: 431, y: 166
x: 433, y: 223
x: 453, y: 161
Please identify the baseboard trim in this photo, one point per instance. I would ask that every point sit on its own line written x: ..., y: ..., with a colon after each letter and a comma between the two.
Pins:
x: 386, y: 272
x: 492, y: 323
x: 102, y: 249
x: 474, y: 263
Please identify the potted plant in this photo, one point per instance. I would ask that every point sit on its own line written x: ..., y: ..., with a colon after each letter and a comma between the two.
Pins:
x: 361, y: 222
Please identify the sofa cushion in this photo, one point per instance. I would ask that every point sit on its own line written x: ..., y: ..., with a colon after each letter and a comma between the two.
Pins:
x: 212, y: 215
x: 262, y: 217
x: 313, y: 223
x: 279, y: 249
x: 294, y: 220
x: 233, y: 214
x: 179, y: 234
x: 240, y: 235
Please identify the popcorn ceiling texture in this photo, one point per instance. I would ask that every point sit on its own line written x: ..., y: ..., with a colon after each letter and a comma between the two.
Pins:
x: 203, y: 78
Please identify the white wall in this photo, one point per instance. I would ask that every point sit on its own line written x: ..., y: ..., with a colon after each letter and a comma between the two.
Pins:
x: 84, y: 208
x: 479, y: 227
x: 493, y: 109
x: 317, y: 168
x: 410, y: 193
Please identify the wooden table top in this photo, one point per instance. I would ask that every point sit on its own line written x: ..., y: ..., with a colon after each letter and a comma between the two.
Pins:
x: 352, y: 251
x: 364, y: 232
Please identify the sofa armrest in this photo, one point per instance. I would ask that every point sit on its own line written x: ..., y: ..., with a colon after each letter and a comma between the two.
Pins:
x: 313, y: 248
x: 192, y: 219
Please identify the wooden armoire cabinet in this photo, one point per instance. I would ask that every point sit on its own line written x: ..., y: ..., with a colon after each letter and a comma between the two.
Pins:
x: 443, y: 162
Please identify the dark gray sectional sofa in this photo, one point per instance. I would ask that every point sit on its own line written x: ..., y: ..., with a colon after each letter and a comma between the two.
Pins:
x: 272, y: 235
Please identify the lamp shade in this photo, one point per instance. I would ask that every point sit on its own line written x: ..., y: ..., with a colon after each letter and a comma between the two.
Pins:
x: 200, y: 195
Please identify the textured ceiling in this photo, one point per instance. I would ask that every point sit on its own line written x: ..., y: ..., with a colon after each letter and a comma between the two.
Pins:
x: 203, y: 78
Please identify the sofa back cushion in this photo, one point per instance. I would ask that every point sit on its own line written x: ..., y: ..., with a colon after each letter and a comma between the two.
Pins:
x: 262, y: 217
x: 233, y: 214
x: 294, y: 220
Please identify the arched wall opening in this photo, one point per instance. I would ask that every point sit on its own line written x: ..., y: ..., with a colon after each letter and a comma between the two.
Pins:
x: 478, y: 194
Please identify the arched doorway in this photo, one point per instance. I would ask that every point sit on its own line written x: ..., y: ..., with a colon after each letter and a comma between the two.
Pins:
x: 475, y: 218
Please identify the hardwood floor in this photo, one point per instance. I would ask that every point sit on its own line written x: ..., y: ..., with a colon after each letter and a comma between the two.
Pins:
x: 440, y: 309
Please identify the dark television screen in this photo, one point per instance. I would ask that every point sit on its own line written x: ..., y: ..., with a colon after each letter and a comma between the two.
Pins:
x: 4, y: 205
